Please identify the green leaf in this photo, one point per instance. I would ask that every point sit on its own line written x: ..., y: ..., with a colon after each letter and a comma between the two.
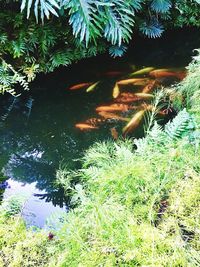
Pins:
x: 161, y: 6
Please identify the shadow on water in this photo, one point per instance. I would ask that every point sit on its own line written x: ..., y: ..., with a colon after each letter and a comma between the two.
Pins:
x: 37, y: 130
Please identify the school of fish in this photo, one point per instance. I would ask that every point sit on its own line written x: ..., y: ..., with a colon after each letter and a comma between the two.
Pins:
x: 127, y: 98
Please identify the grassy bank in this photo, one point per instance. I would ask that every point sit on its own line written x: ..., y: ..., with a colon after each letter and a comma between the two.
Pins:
x: 137, y: 201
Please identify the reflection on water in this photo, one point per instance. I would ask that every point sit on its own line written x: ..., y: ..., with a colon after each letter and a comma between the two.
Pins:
x: 37, y: 130
x: 35, y: 139
x: 35, y: 210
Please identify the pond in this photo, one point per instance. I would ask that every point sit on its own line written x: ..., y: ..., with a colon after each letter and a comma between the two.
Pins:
x: 44, y: 128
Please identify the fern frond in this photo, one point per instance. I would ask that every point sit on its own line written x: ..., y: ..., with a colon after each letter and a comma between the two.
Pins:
x: 19, y: 48
x: 61, y: 58
x: 9, y: 77
x: 180, y: 126
x: 3, y: 38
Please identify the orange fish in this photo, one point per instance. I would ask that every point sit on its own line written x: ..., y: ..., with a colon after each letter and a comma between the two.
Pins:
x: 113, y: 73
x: 124, y: 99
x: 94, y: 121
x: 116, y: 91
x: 127, y: 94
x: 113, y: 107
x: 133, y: 97
x: 165, y: 73
x: 114, y: 133
x: 85, y: 126
x: 144, y: 95
x: 134, y: 122
x: 157, y: 111
x: 135, y: 81
x: 79, y: 86
x: 150, y: 86
x: 109, y: 115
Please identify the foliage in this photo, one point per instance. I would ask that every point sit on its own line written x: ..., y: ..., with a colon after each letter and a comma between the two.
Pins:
x: 12, y: 206
x: 9, y: 77
x: 114, y: 20
x: 189, y: 88
x: 33, y: 48
x: 123, y: 219
x: 77, y: 29
x: 92, y: 19
x: 22, y: 247
x: 187, y: 93
x: 138, y: 206
x: 180, y: 126
x: 187, y: 13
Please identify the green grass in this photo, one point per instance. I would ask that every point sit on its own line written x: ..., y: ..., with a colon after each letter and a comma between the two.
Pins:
x: 137, y: 204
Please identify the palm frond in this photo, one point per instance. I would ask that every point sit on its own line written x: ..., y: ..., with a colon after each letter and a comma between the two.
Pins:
x: 83, y: 18
x: 117, y: 51
x: 46, y: 7
x: 161, y: 6
x: 152, y: 29
x: 119, y: 20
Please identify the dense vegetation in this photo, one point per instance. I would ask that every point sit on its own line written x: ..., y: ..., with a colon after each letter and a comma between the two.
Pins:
x: 51, y: 33
x: 137, y: 201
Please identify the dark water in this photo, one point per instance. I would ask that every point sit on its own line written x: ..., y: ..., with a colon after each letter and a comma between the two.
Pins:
x: 37, y: 131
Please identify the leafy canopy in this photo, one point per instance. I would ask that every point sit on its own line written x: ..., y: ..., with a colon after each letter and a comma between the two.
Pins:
x: 113, y: 20
x: 49, y: 33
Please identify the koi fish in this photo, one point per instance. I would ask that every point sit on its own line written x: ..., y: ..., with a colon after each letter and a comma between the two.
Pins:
x: 94, y: 121
x: 109, y: 115
x: 141, y: 71
x: 135, y: 81
x: 133, y: 97
x: 171, y: 69
x: 144, y: 95
x: 92, y: 87
x: 165, y: 73
x: 114, y: 107
x: 134, y: 122
x: 114, y: 133
x: 150, y: 86
x: 160, y: 112
x: 113, y: 73
x: 85, y: 126
x: 80, y: 86
x: 116, y: 91
x: 127, y: 94
x: 124, y: 99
